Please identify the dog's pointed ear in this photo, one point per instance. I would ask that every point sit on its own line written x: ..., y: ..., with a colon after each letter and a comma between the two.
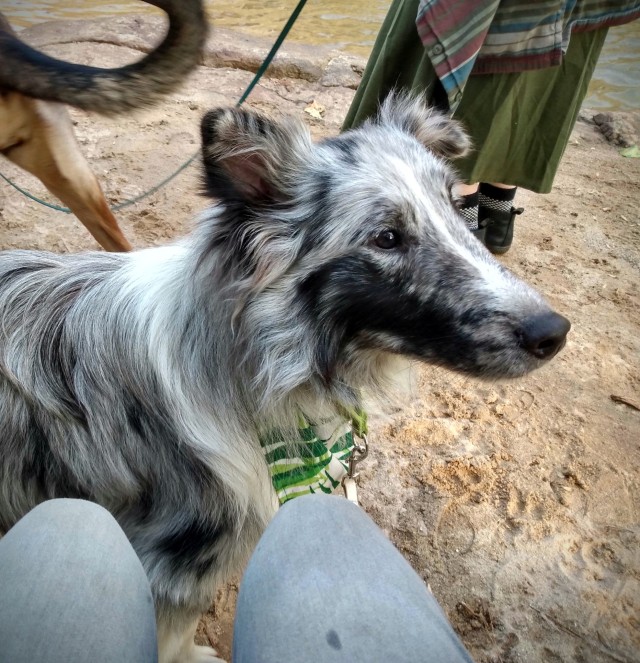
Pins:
x: 433, y: 129
x: 249, y: 158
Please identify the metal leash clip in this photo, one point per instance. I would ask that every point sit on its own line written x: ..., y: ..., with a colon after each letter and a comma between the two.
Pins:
x: 358, y: 454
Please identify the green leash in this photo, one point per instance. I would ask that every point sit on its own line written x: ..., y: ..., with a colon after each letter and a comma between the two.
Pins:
x: 131, y: 201
x: 274, y: 49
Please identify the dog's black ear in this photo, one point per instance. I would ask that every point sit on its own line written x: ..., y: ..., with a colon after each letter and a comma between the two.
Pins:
x: 249, y: 158
x: 433, y: 129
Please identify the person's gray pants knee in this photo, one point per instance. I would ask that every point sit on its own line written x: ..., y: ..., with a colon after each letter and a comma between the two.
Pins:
x: 325, y: 585
x: 72, y: 590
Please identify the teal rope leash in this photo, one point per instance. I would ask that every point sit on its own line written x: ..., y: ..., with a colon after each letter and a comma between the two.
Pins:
x: 263, y: 67
x: 157, y: 187
x: 58, y: 208
x: 274, y: 49
x: 115, y: 208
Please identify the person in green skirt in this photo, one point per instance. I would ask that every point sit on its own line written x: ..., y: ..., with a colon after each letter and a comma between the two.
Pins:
x: 514, y: 73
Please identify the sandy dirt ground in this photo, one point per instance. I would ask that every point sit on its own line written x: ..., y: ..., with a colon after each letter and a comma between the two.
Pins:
x: 517, y: 502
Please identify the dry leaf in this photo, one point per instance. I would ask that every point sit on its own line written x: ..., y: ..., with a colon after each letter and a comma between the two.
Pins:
x: 316, y: 110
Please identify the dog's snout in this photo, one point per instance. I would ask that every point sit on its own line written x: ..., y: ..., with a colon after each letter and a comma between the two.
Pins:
x: 543, y: 335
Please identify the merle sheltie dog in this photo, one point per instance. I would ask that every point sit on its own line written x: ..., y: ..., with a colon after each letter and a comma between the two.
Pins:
x: 144, y: 381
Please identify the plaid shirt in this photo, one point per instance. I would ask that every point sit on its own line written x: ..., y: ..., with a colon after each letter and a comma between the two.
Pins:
x: 505, y: 36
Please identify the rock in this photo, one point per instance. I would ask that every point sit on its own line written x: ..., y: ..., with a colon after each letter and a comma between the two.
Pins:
x: 225, y: 48
x: 343, y: 71
x: 228, y: 48
x: 617, y: 128
x: 139, y: 33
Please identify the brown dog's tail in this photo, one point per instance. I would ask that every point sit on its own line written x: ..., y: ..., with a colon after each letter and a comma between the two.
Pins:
x: 109, y: 91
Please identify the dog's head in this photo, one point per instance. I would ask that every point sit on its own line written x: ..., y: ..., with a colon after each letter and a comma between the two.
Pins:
x: 360, y: 236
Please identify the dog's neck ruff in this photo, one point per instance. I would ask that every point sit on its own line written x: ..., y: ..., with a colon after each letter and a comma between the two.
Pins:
x: 316, y: 462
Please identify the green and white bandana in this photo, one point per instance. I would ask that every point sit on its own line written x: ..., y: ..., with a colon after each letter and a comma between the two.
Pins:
x: 321, y: 459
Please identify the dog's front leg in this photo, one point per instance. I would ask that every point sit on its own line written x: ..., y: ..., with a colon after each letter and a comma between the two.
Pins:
x: 176, y: 641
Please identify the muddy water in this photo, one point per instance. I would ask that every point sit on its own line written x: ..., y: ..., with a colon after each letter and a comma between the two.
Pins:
x: 351, y: 26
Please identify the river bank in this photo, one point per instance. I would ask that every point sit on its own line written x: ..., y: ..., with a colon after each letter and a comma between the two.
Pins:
x: 351, y: 27
x: 517, y: 502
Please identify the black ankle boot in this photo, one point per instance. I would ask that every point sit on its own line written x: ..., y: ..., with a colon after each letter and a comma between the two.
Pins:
x: 499, y: 227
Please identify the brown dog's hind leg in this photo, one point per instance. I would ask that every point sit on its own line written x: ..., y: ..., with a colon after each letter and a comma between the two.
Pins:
x: 51, y: 153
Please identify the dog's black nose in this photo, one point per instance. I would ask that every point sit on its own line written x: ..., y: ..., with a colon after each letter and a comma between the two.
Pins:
x: 544, y: 334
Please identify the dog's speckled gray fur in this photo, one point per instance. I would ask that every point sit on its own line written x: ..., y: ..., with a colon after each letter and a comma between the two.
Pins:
x: 142, y: 381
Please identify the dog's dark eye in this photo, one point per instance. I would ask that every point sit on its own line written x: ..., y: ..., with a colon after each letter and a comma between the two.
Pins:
x: 387, y: 239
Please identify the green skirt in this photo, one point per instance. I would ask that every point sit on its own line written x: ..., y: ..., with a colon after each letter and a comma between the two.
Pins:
x: 519, y: 123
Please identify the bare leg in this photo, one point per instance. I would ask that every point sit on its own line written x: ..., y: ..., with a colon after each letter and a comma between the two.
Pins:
x: 467, y: 189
